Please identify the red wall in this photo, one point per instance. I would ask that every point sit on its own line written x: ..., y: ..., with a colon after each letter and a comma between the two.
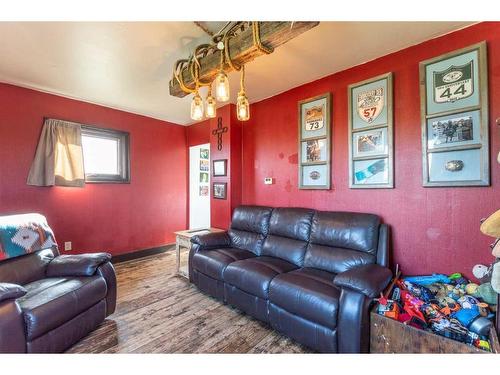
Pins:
x: 434, y: 229
x: 118, y: 218
x: 221, y: 209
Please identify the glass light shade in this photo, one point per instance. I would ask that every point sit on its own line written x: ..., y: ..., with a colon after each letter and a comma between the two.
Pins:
x: 222, y: 87
x: 197, y: 107
x: 211, y: 110
x: 242, y: 107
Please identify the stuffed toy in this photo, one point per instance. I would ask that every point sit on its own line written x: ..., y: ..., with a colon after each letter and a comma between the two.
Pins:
x: 495, y: 277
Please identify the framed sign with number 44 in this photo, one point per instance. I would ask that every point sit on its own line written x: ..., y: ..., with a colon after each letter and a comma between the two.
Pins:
x: 454, y: 110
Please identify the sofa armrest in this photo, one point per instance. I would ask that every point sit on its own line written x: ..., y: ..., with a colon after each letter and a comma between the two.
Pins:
x: 209, y: 241
x: 107, y: 271
x: 370, y: 279
x: 11, y: 291
x: 76, y: 265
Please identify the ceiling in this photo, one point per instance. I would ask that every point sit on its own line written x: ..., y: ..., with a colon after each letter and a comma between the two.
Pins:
x: 127, y: 65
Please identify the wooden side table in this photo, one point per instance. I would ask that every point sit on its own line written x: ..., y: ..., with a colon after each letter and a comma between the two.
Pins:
x: 183, y: 240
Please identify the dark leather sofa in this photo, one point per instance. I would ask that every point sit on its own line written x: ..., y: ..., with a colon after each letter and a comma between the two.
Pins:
x: 49, y: 301
x: 311, y: 275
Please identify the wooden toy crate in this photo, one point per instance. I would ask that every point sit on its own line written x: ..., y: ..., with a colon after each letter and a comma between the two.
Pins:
x: 391, y: 336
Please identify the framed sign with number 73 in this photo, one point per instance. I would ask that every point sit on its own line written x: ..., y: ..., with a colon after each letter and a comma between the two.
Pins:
x: 314, y: 142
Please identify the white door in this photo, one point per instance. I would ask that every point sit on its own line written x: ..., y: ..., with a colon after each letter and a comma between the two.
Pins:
x: 199, y: 186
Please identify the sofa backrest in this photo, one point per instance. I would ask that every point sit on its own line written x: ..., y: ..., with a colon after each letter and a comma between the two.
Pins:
x: 342, y: 240
x: 249, y: 227
x: 27, y: 268
x: 289, y: 230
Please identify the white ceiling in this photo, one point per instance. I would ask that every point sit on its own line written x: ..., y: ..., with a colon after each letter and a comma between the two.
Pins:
x: 127, y: 65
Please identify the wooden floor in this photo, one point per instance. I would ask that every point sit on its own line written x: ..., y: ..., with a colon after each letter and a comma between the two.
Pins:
x: 159, y: 312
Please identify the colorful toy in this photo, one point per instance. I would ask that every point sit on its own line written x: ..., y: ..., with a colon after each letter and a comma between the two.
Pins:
x: 487, y: 294
x: 472, y: 319
x: 427, y: 280
x: 471, y: 288
x: 388, y: 308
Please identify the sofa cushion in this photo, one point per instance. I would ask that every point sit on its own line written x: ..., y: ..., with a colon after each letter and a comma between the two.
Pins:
x: 291, y: 222
x: 249, y: 227
x: 289, y: 230
x: 254, y: 275
x: 213, y: 262
x: 349, y: 230
x: 342, y: 240
x: 53, y: 301
x: 308, y: 293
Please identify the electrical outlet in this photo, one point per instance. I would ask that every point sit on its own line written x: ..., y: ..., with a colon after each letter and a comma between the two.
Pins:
x: 67, y: 246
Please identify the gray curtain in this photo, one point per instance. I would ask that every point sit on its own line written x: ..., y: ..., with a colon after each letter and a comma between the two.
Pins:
x: 59, y: 156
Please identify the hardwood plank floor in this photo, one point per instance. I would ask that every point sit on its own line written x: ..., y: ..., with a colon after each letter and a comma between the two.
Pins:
x: 160, y: 312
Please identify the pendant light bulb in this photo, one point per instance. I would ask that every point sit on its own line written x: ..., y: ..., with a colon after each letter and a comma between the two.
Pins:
x: 197, y: 107
x: 222, y: 87
x: 210, y: 109
x: 242, y: 103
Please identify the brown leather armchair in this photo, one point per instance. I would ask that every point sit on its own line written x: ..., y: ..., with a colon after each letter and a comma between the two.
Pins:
x: 49, y: 301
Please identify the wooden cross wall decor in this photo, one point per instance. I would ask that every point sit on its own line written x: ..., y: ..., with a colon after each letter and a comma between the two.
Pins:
x: 218, y: 132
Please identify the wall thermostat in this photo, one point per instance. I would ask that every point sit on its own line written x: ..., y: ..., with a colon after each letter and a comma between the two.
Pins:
x: 268, y: 181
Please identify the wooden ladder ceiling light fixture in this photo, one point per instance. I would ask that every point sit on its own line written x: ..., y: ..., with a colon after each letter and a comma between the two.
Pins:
x: 238, y: 43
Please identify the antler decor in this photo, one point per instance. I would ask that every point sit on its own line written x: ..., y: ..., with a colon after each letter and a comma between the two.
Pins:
x: 236, y: 44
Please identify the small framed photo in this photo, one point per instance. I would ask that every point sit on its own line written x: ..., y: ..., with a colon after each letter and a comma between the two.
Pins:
x: 454, y: 130
x: 314, y: 151
x: 219, y: 190
x: 204, y: 153
x: 370, y: 143
x: 371, y: 172
x: 204, y: 165
x: 204, y: 191
x: 315, y: 176
x: 204, y: 177
x: 219, y: 167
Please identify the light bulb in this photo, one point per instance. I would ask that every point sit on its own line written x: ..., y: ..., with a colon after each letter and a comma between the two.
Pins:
x: 222, y: 87
x: 197, y: 107
x: 242, y: 107
x: 211, y: 110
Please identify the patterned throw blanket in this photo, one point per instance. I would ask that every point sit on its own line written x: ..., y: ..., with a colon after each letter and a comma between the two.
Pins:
x: 24, y: 234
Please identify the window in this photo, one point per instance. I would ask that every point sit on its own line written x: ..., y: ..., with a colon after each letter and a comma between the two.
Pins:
x: 105, y: 155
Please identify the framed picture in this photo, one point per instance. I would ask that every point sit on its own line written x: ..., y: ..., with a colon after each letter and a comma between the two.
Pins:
x: 204, y: 165
x: 371, y: 172
x: 455, y: 166
x: 314, y: 151
x: 454, y: 130
x: 454, y: 113
x: 219, y: 190
x: 204, y: 177
x: 219, y: 167
x: 370, y: 143
x: 371, y: 133
x: 204, y: 153
x: 204, y: 191
x: 314, y: 116
x: 315, y: 175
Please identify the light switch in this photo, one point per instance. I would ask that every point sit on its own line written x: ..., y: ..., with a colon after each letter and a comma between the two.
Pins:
x: 268, y: 181
x: 67, y: 246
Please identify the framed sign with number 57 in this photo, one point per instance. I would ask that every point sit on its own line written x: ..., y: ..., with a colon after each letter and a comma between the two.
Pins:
x: 370, y: 133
